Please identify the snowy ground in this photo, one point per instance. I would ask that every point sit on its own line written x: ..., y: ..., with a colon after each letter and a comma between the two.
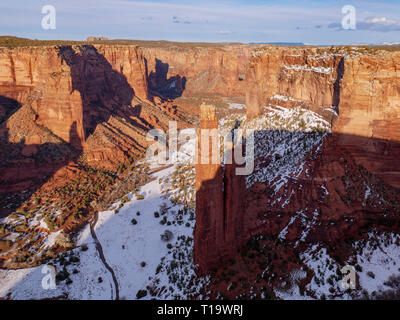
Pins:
x: 379, y: 258
x: 284, y: 137
x: 133, y: 248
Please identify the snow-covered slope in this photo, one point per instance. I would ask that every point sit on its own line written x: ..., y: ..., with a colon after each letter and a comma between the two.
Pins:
x: 130, y: 235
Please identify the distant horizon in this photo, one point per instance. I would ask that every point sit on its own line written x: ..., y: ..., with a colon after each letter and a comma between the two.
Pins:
x: 313, y: 22
x: 278, y: 43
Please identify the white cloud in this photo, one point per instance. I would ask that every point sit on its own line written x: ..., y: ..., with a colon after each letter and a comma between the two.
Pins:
x: 380, y: 20
x: 381, y: 24
x: 224, y: 32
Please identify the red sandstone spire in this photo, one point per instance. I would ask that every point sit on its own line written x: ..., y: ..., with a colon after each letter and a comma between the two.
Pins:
x: 219, y: 202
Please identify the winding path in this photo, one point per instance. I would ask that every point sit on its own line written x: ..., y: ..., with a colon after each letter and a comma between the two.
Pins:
x: 101, y: 253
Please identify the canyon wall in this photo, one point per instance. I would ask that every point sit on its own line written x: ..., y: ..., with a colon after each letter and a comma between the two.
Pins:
x: 370, y: 108
x: 307, y: 75
x: 66, y: 82
x: 362, y: 87
x: 58, y: 104
x: 84, y: 86
x: 351, y: 184
x: 62, y: 102
x: 212, y: 70
x: 96, y: 102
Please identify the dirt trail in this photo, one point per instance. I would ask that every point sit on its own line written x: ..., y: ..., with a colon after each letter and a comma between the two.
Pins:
x: 101, y: 253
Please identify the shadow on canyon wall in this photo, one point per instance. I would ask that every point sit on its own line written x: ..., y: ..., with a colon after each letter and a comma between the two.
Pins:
x: 159, y: 85
x: 336, y: 85
x: 104, y: 91
x: 26, y: 167
x: 7, y: 107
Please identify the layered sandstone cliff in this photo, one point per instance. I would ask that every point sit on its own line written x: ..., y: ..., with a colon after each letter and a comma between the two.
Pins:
x: 348, y: 183
x: 62, y: 104
x: 360, y: 88
x: 213, y: 70
x: 370, y: 108
x: 102, y: 99
x: 306, y: 75
x: 65, y: 83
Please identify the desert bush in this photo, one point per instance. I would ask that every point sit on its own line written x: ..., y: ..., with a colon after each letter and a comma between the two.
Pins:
x: 167, y: 235
x: 141, y: 293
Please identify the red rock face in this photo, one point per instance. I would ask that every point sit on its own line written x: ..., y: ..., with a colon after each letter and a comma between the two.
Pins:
x: 307, y: 75
x: 364, y: 88
x: 219, y: 210
x: 198, y: 70
x: 57, y: 103
x: 64, y: 84
x: 352, y: 183
x: 369, y: 121
x: 336, y: 199
x: 254, y: 100
x: 94, y: 87
x: 99, y: 101
x: 234, y: 211
x: 209, y: 198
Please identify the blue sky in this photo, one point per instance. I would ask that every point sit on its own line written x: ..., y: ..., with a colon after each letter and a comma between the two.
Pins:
x: 308, y: 21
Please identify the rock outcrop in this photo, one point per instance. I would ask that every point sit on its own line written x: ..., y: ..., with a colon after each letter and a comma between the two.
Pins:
x: 219, y: 209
